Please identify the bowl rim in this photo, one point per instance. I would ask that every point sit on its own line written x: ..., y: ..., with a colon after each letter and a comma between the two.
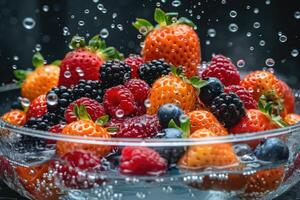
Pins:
x: 145, y: 142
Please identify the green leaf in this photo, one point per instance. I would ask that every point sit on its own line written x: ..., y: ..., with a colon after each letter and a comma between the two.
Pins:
x: 56, y: 62
x: 96, y: 43
x: 112, y: 129
x: 197, y: 82
x: 77, y: 42
x: 21, y: 76
x: 185, y: 127
x: 186, y: 21
x: 170, y: 16
x: 38, y: 60
x: 81, y: 112
x: 143, y: 26
x: 160, y: 17
x: 102, y: 120
x: 111, y: 53
x: 278, y: 120
x: 172, y: 124
x: 76, y: 110
x: 261, y: 106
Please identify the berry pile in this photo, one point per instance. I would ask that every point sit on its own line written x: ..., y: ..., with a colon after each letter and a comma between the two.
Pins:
x: 159, y: 95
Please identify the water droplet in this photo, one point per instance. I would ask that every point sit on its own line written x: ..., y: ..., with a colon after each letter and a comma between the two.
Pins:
x: 86, y: 11
x: 120, y: 113
x: 233, y: 14
x: 143, y: 30
x: 249, y: 34
x: 147, y: 103
x: 282, y: 38
x: 268, y: 2
x: 67, y: 74
x: 52, y: 99
x: 295, y: 52
x: 114, y: 15
x: 262, y: 43
x: 66, y: 31
x: 16, y: 58
x: 256, y: 25
x: 183, y: 118
x: 29, y: 23
x: 256, y: 10
x: 270, y: 62
x: 112, y: 26
x: 72, y: 16
x: 198, y: 16
x: 158, y: 4
x: 271, y: 70
x: 233, y: 27
x: 142, y: 44
x: 223, y: 2
x: 139, y: 36
x: 104, y: 10
x: 140, y: 195
x: 104, y: 33
x: 176, y: 3
x: 45, y: 8
x: 297, y: 15
x: 248, y: 7
x: 38, y: 47
x: 95, y: 1
x: 100, y: 6
x: 207, y: 42
x: 14, y: 67
x: 251, y: 48
x: 241, y: 63
x: 211, y: 32
x: 120, y: 27
x: 25, y: 102
x: 81, y: 23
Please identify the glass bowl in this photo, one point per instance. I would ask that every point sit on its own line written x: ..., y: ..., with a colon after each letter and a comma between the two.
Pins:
x: 33, y: 169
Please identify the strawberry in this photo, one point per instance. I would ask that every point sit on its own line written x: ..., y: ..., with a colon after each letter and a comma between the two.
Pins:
x: 142, y: 161
x: 71, y: 167
x: 84, y: 61
x: 86, y: 128
x: 38, y: 107
x: 134, y: 62
x: 172, y: 89
x: 288, y: 98
x: 204, y: 119
x: 264, y: 181
x: 40, y: 81
x: 58, y: 128
x: 15, y: 117
x: 94, y: 109
x: 176, y: 42
x: 292, y: 119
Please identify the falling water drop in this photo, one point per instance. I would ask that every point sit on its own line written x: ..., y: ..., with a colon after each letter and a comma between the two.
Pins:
x: 104, y: 33
x: 233, y: 27
x: 270, y: 62
x: 295, y: 52
x: 233, y: 14
x: 29, y: 23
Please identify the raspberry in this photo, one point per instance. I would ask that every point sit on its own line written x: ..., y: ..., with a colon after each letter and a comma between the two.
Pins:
x: 119, y: 99
x: 70, y: 169
x: 38, y: 107
x: 145, y: 126
x: 244, y: 94
x: 223, y: 69
x: 94, y: 109
x: 57, y: 128
x: 134, y: 62
x: 113, y: 73
x: 153, y: 70
x: 142, y: 161
x: 228, y: 108
x: 139, y: 89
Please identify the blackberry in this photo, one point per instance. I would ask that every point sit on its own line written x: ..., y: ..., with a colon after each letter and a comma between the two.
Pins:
x: 228, y: 108
x: 210, y: 91
x: 90, y: 89
x: 43, y: 123
x: 153, y: 70
x: 60, y: 99
x: 113, y: 73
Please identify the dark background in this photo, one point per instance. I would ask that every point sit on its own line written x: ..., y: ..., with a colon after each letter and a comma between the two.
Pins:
x: 278, y: 16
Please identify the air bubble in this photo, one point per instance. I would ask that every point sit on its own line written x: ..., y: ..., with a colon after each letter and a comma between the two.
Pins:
x: 81, y: 23
x: 143, y: 30
x: 251, y: 48
x: 140, y: 195
x: 86, y: 11
x: 207, y: 42
x: 233, y: 14
x: 270, y: 62
x: 120, y: 27
x: 233, y: 27
x: 66, y: 31
x: 52, y: 99
x: 67, y: 74
x: 223, y: 2
x: 45, y: 8
x: 100, y: 6
x: 262, y: 43
x: 176, y: 3
x: 38, y: 47
x: 295, y: 52
x: 256, y: 25
x: 120, y: 113
x: 104, y: 33
x: 95, y: 1
x: 25, y: 102
x: 248, y: 34
x: 14, y: 67
x: 16, y: 58
x: 147, y: 103
x: 268, y: 2
x: 29, y: 23
x: 256, y: 10
x: 282, y: 38
x: 211, y: 32
x: 183, y: 118
x: 297, y: 15
x: 241, y: 63
x: 114, y: 15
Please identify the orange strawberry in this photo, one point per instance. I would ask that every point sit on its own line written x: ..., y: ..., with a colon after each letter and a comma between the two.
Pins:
x: 205, y: 119
x: 204, y: 156
x: 264, y: 181
x: 292, y: 119
x: 40, y: 81
x: 15, y: 117
x: 83, y: 128
x: 38, y: 182
x: 288, y: 98
x: 261, y: 83
x: 172, y: 89
x: 173, y: 40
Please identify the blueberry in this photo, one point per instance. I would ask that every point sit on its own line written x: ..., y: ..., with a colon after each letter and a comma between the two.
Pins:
x: 272, y: 150
x: 171, y: 154
x: 210, y: 91
x: 16, y: 105
x: 167, y: 112
x: 242, y: 149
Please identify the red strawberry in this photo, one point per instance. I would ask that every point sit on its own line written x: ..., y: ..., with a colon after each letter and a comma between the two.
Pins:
x: 119, y: 101
x: 38, y: 107
x: 223, y: 69
x: 84, y: 62
x: 142, y: 161
x: 134, y: 62
x: 94, y: 109
x: 288, y: 97
x: 244, y: 94
x: 139, y: 89
x: 71, y: 164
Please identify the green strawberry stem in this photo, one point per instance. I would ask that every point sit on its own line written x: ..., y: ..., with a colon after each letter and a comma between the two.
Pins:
x: 184, y: 127
x: 163, y: 19
x: 102, y: 120
x: 56, y: 62
x: 38, y: 60
x: 112, y: 129
x: 270, y: 109
x: 21, y: 76
x: 81, y: 112
x: 77, y: 42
